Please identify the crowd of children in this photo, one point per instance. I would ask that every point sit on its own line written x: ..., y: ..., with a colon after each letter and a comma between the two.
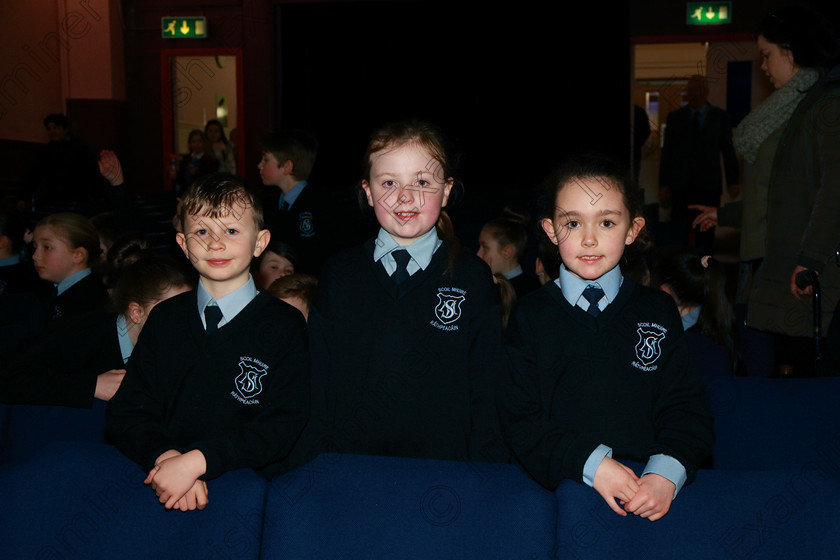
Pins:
x: 406, y: 345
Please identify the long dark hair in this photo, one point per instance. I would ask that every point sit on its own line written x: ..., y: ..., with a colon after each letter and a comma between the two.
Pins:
x: 611, y: 174
x: 808, y: 35
x: 698, y: 280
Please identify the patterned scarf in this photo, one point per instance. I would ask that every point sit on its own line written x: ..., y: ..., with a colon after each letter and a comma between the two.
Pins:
x: 772, y: 113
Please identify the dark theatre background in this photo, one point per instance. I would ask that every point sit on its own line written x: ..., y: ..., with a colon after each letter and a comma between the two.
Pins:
x: 516, y: 88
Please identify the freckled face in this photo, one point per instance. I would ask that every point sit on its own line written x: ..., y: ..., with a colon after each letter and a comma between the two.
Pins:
x: 776, y: 62
x: 591, y: 226
x: 221, y: 248
x: 406, y: 191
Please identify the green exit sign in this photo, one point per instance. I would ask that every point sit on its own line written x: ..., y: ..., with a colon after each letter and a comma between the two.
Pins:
x: 708, y: 13
x: 183, y: 27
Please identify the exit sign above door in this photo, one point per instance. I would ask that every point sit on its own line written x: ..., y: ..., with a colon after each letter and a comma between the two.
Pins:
x: 183, y: 27
x: 708, y: 13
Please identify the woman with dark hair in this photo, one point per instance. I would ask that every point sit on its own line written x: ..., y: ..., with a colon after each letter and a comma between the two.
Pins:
x: 784, y: 150
x: 803, y: 200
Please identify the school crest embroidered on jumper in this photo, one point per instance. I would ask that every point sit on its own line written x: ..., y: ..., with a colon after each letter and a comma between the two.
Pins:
x: 249, y: 381
x: 448, y: 308
x: 648, y: 349
x: 306, y: 224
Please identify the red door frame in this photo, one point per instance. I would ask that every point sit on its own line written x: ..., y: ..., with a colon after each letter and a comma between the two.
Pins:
x: 166, y: 92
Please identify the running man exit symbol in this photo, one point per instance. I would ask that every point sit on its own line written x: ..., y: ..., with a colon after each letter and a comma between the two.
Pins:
x: 183, y: 27
x: 706, y: 13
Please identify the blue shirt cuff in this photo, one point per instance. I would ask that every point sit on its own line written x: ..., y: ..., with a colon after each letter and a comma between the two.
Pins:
x: 594, y: 462
x: 668, y: 467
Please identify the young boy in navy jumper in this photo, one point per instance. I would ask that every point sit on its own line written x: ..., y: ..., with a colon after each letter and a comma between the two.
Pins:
x: 301, y: 214
x: 598, y: 364
x: 219, y: 377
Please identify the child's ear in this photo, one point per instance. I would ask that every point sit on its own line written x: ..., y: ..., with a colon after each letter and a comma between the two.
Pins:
x: 508, y: 251
x: 635, y: 228
x: 80, y: 255
x: 263, y: 237
x: 136, y: 312
x: 182, y: 243
x: 446, y: 190
x: 288, y: 167
x: 368, y: 194
x: 548, y: 227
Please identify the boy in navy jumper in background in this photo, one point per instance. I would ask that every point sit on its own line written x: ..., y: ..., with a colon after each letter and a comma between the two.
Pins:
x: 219, y: 378
x: 300, y: 216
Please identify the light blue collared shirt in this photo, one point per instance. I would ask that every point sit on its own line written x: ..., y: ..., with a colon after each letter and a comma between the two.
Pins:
x: 511, y: 274
x: 230, y: 304
x: 126, y: 346
x: 573, y: 286
x: 690, y: 318
x: 10, y: 261
x: 291, y: 196
x: 421, y: 251
x: 71, y: 281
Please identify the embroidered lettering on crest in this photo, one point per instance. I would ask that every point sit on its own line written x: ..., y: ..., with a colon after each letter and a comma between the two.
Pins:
x: 648, y: 348
x: 248, y: 384
x: 306, y: 224
x: 448, y: 308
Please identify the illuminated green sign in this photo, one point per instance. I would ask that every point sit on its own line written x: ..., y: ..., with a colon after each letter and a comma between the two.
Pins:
x: 708, y: 13
x: 183, y: 27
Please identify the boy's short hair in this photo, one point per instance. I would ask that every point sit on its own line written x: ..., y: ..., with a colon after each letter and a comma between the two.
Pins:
x: 298, y: 146
x: 216, y: 194
x: 57, y: 119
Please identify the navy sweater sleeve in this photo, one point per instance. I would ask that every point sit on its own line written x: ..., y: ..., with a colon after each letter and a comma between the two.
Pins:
x: 136, y: 415
x: 547, y: 451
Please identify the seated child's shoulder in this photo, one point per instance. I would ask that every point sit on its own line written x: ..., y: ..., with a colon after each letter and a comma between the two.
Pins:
x: 653, y: 297
x: 274, y: 311
x: 656, y: 302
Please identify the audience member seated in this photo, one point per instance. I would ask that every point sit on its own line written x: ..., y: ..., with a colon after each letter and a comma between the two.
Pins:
x: 502, y: 245
x: 298, y: 290
x: 698, y: 286
x: 278, y: 260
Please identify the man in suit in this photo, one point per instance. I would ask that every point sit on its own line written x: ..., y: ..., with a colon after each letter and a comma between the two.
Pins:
x: 696, y: 136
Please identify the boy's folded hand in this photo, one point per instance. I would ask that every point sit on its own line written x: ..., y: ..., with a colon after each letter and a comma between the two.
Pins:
x: 195, y: 498
x: 613, y: 480
x: 174, y: 476
x: 653, y: 500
